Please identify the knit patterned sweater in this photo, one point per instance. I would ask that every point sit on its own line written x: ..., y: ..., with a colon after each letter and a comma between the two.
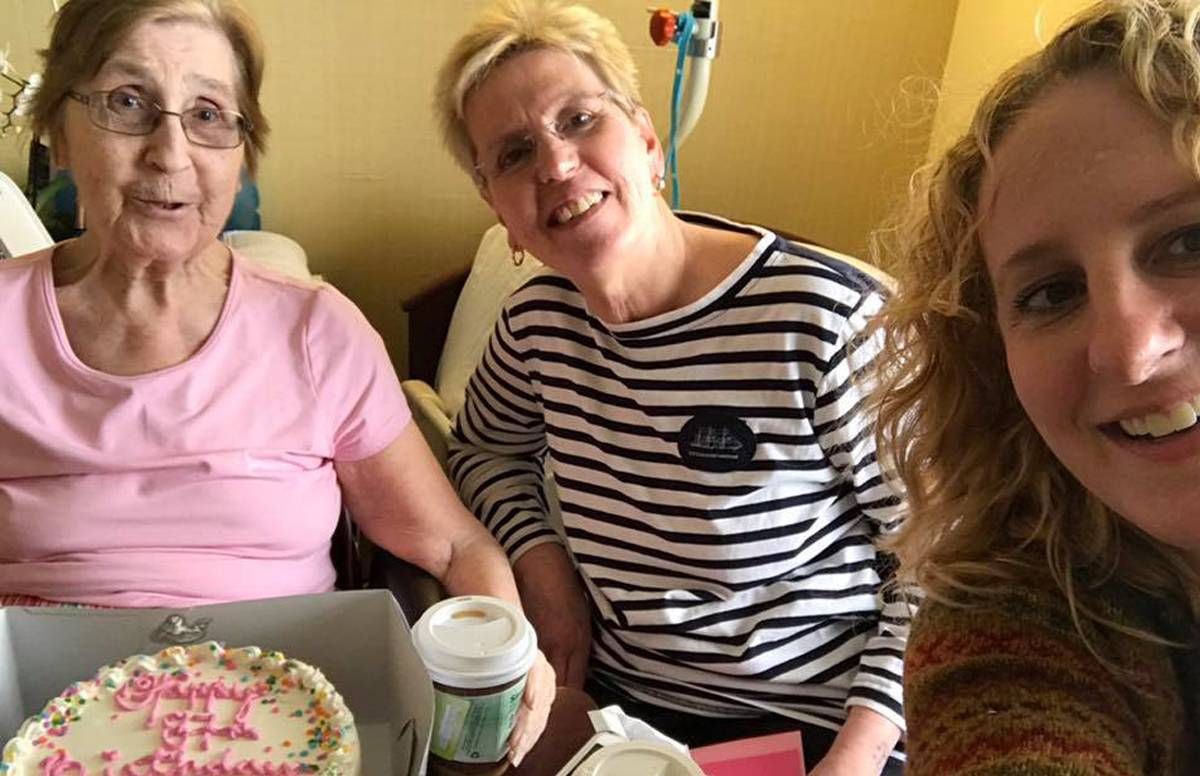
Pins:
x: 1009, y: 688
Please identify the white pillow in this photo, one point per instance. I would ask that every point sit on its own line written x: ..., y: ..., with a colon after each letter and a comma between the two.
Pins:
x: 20, y: 230
x: 280, y: 253
x: 492, y: 279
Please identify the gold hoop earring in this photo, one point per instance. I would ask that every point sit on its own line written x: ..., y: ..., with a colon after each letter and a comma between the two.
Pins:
x: 518, y: 256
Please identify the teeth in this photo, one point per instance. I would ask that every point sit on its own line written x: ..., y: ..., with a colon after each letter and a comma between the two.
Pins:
x: 577, y: 208
x: 1159, y: 424
x: 1134, y: 427
x: 1182, y: 415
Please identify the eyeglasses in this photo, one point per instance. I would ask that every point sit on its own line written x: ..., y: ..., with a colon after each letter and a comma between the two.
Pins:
x: 572, y: 123
x: 128, y: 112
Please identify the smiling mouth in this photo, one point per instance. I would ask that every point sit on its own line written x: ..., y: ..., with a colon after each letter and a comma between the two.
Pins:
x: 576, y: 208
x: 1156, y: 425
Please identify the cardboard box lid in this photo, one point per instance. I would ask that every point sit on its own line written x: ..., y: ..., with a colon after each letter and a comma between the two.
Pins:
x: 359, y: 639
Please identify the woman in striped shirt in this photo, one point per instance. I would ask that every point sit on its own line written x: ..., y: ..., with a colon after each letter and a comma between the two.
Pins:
x: 693, y: 386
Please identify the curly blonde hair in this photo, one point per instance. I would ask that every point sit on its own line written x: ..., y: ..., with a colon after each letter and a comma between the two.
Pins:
x: 510, y: 27
x: 990, y: 504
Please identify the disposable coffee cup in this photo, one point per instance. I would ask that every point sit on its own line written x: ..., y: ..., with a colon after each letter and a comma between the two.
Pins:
x: 478, y: 651
x: 644, y: 758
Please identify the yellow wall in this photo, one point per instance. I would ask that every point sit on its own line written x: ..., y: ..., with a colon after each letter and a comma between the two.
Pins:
x: 804, y: 129
x: 807, y: 127
x: 990, y: 36
x: 24, y: 28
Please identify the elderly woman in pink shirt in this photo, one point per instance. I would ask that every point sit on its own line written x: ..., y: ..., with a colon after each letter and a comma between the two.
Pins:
x: 178, y: 426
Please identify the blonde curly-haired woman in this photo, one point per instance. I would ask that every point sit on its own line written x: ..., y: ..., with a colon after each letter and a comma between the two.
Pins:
x: 1040, y: 399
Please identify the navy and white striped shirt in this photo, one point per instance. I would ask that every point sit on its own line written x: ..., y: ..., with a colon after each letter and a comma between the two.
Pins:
x: 718, y: 485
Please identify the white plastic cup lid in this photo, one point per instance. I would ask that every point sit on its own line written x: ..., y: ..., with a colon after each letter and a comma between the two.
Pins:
x: 474, y: 642
x: 644, y: 758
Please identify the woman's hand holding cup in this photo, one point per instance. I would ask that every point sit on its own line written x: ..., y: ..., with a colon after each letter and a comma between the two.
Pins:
x: 540, y: 688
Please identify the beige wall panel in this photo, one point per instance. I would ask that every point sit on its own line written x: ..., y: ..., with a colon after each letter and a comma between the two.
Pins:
x: 989, y: 37
x: 806, y: 126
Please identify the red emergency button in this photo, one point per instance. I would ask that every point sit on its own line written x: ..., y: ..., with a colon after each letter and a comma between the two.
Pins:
x: 663, y: 25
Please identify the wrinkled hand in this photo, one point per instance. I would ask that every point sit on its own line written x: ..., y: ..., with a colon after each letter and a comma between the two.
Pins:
x: 534, y: 711
x: 555, y: 603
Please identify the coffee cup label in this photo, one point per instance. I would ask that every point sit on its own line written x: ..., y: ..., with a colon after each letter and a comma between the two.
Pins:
x: 475, y: 728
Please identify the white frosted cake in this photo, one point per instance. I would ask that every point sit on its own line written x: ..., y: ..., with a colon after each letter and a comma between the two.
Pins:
x: 201, y: 710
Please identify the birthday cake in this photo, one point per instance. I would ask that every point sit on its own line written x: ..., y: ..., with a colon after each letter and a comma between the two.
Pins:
x: 201, y: 710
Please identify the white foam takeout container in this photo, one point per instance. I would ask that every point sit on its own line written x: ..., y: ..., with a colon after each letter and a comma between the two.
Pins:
x: 636, y: 758
x: 358, y: 639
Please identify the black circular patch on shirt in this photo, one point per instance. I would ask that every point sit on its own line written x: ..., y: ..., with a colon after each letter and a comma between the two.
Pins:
x: 716, y: 442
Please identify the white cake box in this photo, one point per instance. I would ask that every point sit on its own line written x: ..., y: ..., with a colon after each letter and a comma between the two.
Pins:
x: 358, y: 639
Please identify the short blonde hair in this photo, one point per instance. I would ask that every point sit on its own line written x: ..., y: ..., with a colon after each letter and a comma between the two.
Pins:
x: 989, y: 502
x: 509, y: 27
x: 87, y: 32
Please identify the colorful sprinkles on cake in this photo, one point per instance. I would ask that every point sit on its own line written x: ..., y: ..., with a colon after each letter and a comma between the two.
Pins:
x: 187, y: 707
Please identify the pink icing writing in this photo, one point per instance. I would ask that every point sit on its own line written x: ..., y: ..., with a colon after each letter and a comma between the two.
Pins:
x: 175, y: 731
x: 150, y: 690
x: 164, y: 763
x: 169, y: 759
x: 197, y: 721
x: 59, y: 764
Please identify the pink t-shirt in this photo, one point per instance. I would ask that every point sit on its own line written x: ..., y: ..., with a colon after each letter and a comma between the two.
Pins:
x: 204, y: 482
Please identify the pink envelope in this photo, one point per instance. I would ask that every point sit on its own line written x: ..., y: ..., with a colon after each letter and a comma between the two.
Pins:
x: 781, y: 754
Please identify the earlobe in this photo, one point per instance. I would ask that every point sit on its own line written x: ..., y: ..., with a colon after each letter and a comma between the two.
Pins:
x: 653, y: 145
x: 58, y: 152
x: 646, y: 128
x: 496, y: 213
